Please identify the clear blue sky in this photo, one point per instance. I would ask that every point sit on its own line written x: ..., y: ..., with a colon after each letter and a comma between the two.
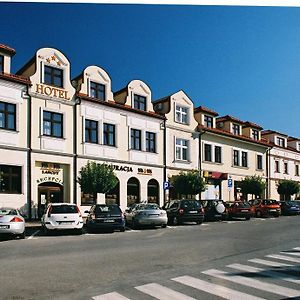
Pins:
x: 242, y: 61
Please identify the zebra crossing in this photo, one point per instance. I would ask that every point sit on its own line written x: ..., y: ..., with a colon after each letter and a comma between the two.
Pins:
x: 272, y: 277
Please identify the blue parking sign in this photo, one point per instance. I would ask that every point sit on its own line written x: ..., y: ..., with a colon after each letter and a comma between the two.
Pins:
x: 229, y: 183
x: 166, y: 185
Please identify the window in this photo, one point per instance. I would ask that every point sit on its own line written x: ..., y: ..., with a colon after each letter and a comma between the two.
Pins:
x: 236, y: 129
x: 259, y: 165
x: 7, y: 116
x: 97, y: 90
x: 181, y: 114
x: 277, y: 166
x: 286, y: 169
x: 136, y: 138
x: 1, y: 63
x: 91, y: 131
x: 280, y: 141
x: 244, y: 159
x: 236, y: 158
x: 181, y: 149
x: 208, y: 121
x: 52, y: 124
x: 109, y: 134
x: 207, y: 152
x: 298, y: 147
x: 11, y: 179
x: 255, y: 134
x: 139, y: 102
x: 150, y: 142
x: 218, y: 154
x: 53, y: 76
x: 296, y: 170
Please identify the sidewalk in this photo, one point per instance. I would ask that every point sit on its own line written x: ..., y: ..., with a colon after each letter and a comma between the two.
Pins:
x: 33, y: 224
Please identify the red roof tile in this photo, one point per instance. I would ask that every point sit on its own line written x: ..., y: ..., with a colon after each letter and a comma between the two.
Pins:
x: 207, y: 110
x: 15, y: 78
x: 7, y: 49
x: 229, y: 118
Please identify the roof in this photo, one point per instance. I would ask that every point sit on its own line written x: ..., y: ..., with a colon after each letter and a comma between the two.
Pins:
x: 291, y: 139
x: 207, y: 110
x: 15, y: 78
x: 120, y: 106
x: 262, y: 142
x: 250, y: 124
x: 164, y: 99
x: 30, y: 62
x: 125, y: 89
x: 7, y: 49
x: 266, y: 132
x: 230, y: 118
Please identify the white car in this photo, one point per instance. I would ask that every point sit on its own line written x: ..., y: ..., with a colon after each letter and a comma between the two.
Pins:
x: 11, y: 222
x: 62, y: 216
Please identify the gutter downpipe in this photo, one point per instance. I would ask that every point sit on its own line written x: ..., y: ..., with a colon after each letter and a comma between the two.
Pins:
x: 165, y: 157
x: 75, y: 154
x: 201, y: 132
x: 29, y: 150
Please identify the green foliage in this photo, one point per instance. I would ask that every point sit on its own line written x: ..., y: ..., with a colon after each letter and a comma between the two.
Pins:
x: 253, y: 185
x: 96, y: 178
x: 287, y: 188
x: 188, y: 183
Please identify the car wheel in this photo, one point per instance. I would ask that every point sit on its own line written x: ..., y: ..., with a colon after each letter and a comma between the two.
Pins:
x: 79, y: 231
x: 22, y: 235
x: 247, y: 218
x: 163, y: 225
x: 135, y: 225
x: 45, y: 230
x: 258, y: 214
x: 122, y: 229
x: 198, y: 222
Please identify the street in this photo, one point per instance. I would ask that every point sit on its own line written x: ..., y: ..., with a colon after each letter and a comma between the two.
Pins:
x: 256, y: 259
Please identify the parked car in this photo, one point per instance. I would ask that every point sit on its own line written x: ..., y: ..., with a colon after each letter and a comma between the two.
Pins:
x: 239, y: 209
x: 183, y: 210
x: 146, y: 214
x: 290, y: 207
x: 11, y: 222
x: 105, y: 217
x: 214, y: 209
x: 265, y: 207
x: 62, y: 216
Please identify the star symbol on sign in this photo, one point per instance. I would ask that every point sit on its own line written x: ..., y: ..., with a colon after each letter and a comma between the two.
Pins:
x: 58, y: 63
x: 53, y: 57
x: 48, y: 60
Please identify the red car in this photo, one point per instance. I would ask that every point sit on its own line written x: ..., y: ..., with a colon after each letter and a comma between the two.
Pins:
x: 266, y: 207
x: 239, y: 209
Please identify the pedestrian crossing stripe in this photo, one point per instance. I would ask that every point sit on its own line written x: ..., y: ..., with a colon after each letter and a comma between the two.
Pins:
x: 283, y: 257
x: 269, y: 263
x: 110, y: 296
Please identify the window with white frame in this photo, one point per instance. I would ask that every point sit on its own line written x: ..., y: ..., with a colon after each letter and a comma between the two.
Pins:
x: 285, y: 168
x: 259, y: 162
x: 52, y: 124
x: 53, y: 76
x: 109, y: 134
x: 1, y: 63
x: 236, y: 129
x: 255, y: 134
x: 91, y: 131
x: 236, y: 157
x: 136, y: 139
x: 296, y: 170
x: 207, y: 152
x: 181, y: 114
x: 97, y: 90
x: 139, y: 102
x: 150, y: 142
x: 277, y: 166
x: 212, y: 153
x: 244, y: 159
x: 218, y: 154
x: 181, y: 149
x: 280, y: 141
x: 208, y: 121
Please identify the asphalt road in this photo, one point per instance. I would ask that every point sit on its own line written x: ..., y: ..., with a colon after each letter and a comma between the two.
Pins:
x: 148, y: 264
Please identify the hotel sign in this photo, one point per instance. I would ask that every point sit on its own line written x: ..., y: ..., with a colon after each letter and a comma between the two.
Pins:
x: 50, y: 172
x: 52, y: 91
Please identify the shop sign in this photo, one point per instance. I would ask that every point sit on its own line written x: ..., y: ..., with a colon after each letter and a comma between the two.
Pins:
x: 144, y: 171
x: 49, y: 168
x: 121, y: 168
x: 52, y: 91
x: 51, y: 179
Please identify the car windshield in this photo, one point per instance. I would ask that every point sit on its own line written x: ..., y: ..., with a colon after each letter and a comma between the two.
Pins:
x: 269, y: 201
x: 103, y: 209
x: 190, y: 204
x: 242, y: 204
x: 290, y: 203
x: 64, y: 209
x: 7, y: 211
x: 148, y: 206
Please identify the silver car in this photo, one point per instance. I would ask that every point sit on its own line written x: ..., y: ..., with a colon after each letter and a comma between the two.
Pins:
x: 12, y: 222
x: 146, y: 214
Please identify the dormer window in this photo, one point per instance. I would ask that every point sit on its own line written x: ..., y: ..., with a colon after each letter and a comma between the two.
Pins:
x: 298, y: 147
x: 139, y: 102
x: 1, y: 63
x: 208, y: 121
x: 255, y: 134
x: 181, y: 114
x: 97, y: 90
x: 53, y: 76
x: 280, y: 142
x: 236, y: 129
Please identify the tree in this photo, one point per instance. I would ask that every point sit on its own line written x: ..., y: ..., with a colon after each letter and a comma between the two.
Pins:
x: 188, y: 183
x: 287, y: 188
x: 253, y: 185
x: 96, y: 178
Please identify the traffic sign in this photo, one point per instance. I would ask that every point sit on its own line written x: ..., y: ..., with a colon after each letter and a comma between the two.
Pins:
x: 166, y: 185
x: 229, y: 183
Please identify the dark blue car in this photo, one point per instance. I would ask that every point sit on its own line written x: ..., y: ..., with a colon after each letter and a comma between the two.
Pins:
x: 290, y: 207
x: 106, y: 217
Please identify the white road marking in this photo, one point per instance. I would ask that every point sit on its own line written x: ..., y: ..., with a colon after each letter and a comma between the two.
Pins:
x: 283, y: 276
x: 291, y: 253
x: 161, y: 292
x: 297, y: 248
x: 283, y: 257
x: 269, y: 263
x: 254, y: 283
x: 35, y: 233
x: 110, y: 296
x: 214, y: 289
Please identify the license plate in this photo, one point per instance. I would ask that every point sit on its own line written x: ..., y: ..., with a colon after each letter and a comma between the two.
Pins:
x: 65, y: 223
x: 4, y: 226
x: 272, y: 209
x: 244, y: 210
x: 109, y: 221
x: 193, y: 211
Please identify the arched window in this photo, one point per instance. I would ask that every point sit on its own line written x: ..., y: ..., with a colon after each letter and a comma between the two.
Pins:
x: 153, y: 191
x: 133, y: 191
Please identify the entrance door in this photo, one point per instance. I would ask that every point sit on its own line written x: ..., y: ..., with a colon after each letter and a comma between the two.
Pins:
x: 48, y: 192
